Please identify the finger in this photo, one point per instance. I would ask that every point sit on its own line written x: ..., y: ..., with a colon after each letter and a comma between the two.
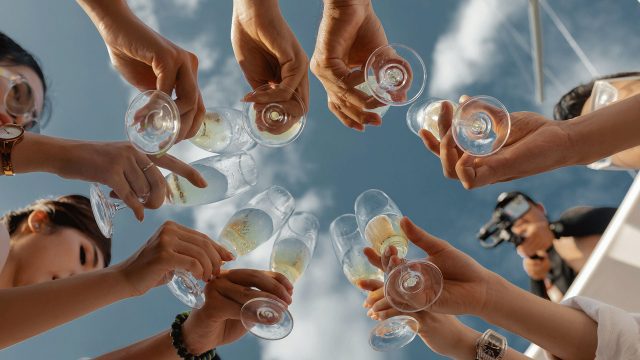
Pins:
x: 373, y: 257
x: 206, y: 248
x: 381, y: 305
x: 137, y: 180
x: 282, y: 280
x: 122, y: 188
x: 155, y: 195
x: 463, y: 98
x: 370, y: 284
x: 430, y: 142
x: 388, y: 254
x: 198, y: 118
x: 195, y: 252
x: 386, y: 314
x: 445, y: 118
x: 449, y: 156
x: 240, y: 295
x: 186, y: 263
x: 178, y: 167
x: 260, y: 280
x: 186, y: 97
x: 344, y: 118
x: 427, y: 242
x: 219, y: 249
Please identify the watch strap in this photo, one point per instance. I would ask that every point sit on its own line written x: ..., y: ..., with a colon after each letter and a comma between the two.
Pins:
x: 491, y: 346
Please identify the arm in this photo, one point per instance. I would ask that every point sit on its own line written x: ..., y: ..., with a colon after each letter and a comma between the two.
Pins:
x: 217, y: 322
x: 581, y: 140
x: 116, y: 164
x: 147, y: 60
x: 628, y: 159
x: 30, y: 310
x: 469, y: 288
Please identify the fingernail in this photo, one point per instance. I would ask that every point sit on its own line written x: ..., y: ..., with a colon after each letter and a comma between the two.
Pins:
x: 387, y: 251
x: 370, y: 313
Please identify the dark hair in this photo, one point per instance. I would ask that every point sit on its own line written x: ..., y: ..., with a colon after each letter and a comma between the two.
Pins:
x: 13, y: 54
x: 585, y: 220
x: 571, y: 103
x: 70, y: 211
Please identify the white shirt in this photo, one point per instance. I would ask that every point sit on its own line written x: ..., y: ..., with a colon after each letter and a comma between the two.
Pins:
x: 618, y: 330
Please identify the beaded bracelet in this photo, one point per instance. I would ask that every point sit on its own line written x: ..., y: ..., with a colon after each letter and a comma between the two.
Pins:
x: 178, y: 341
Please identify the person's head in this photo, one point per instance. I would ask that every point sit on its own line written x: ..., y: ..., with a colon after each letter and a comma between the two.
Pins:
x: 21, y: 104
x: 579, y: 100
x: 54, y: 239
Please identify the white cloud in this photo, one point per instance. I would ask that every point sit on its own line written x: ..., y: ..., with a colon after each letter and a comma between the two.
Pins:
x: 468, y: 51
x: 188, y: 6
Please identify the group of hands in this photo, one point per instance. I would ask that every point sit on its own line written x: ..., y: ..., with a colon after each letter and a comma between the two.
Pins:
x: 467, y: 287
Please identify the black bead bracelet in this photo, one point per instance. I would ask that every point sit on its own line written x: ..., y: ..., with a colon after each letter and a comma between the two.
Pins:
x: 178, y: 341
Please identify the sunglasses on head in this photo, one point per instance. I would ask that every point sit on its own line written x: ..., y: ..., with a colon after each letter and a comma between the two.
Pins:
x: 604, y: 91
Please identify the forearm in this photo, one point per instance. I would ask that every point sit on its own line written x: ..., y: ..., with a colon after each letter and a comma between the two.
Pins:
x: 565, y: 332
x: 628, y: 159
x: 158, y: 347
x: 103, y: 12
x: 605, y: 132
x: 30, y: 310
x: 39, y: 153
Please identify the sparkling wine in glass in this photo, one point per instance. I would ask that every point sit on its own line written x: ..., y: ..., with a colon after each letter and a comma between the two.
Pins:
x: 394, y: 74
x: 480, y: 125
x: 255, y: 223
x: 226, y: 176
x: 412, y: 286
x: 348, y: 245
x: 275, y: 116
x: 292, y: 251
x: 223, y: 132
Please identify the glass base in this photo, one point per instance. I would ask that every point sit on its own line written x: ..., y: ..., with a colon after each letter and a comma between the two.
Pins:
x: 393, y: 333
x: 103, y: 209
x: 267, y: 319
x: 481, y: 126
x: 186, y: 288
x: 152, y: 122
x: 413, y: 286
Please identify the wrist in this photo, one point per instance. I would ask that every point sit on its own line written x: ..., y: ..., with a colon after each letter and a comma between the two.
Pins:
x: 196, y: 333
x: 495, y: 293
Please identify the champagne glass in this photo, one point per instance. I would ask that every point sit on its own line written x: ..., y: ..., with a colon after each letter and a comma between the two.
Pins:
x: 348, y: 245
x: 480, y: 125
x: 152, y: 122
x: 394, y: 74
x: 226, y: 176
x: 222, y: 132
x: 291, y: 254
x: 251, y: 226
x: 276, y: 117
x: 412, y: 286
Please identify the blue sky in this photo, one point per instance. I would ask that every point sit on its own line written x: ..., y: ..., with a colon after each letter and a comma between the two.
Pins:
x: 468, y: 48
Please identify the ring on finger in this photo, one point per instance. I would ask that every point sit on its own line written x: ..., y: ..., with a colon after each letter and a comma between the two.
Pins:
x: 147, y: 167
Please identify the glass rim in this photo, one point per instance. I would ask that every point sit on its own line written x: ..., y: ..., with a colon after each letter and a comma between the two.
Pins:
x: 492, y: 102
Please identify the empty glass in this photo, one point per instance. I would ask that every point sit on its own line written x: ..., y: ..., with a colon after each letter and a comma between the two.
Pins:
x: 394, y: 74
x: 249, y: 227
x: 226, y: 176
x: 291, y: 254
x: 348, y: 244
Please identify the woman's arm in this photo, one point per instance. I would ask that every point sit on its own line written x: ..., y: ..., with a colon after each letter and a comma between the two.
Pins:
x: 30, y: 310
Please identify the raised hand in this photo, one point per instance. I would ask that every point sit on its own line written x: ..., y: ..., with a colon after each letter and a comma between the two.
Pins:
x: 268, y: 52
x: 349, y: 32
x: 218, y: 321
x: 531, y: 133
x: 172, y: 247
x: 149, y: 61
x: 465, y: 281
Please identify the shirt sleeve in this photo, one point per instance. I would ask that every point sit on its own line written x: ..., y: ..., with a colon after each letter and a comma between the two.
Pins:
x: 618, y: 330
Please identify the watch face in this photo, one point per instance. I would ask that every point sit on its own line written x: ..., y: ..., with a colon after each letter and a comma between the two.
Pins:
x: 8, y: 132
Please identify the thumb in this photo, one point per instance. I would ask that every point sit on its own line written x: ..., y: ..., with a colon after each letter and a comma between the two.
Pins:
x: 165, y: 79
x: 370, y: 285
x: 427, y: 242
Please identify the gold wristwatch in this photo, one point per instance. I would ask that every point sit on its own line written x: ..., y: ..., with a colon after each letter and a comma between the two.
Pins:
x: 10, y: 136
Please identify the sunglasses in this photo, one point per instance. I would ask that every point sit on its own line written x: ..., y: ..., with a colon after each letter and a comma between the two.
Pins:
x: 19, y: 99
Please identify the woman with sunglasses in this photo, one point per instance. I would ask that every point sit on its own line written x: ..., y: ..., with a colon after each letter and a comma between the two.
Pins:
x: 132, y: 175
